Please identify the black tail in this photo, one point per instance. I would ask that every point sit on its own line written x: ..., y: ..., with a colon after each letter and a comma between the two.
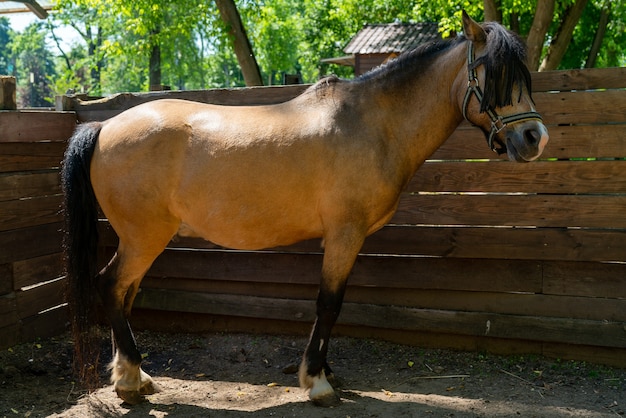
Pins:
x: 80, y: 243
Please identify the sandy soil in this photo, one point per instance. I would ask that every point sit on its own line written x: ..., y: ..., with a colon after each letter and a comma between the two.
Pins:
x: 241, y: 375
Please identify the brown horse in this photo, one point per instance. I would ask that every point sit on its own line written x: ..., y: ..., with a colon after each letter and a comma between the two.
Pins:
x: 330, y: 163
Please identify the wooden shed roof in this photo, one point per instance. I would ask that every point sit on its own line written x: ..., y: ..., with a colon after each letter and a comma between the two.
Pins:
x: 389, y: 38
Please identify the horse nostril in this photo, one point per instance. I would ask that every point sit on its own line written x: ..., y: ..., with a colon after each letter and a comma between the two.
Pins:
x: 532, y: 136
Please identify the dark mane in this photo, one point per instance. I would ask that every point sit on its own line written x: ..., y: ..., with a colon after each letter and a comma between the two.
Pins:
x: 414, y: 61
x: 504, y: 62
x: 505, y: 67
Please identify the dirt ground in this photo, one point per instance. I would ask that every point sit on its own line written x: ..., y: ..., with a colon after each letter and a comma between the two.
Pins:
x: 241, y: 375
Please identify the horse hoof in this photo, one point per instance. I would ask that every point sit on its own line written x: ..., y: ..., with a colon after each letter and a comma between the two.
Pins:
x: 327, y: 400
x: 149, y: 388
x: 334, y: 381
x: 131, y: 397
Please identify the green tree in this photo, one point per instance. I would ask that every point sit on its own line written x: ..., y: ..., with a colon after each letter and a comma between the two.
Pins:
x: 190, y: 41
x: 34, y: 63
x: 6, y: 65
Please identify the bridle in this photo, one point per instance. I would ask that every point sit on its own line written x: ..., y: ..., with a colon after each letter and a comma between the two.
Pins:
x: 498, y: 123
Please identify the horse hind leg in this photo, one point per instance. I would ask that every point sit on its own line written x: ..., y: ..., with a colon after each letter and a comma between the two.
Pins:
x: 118, y: 284
x: 339, y: 256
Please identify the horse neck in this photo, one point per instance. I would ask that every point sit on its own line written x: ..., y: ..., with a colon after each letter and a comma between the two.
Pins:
x: 421, y: 113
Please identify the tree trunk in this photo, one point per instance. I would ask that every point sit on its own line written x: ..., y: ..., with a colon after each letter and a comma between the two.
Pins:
x: 514, y: 22
x: 563, y: 36
x: 597, y: 40
x: 537, y: 34
x: 243, y: 50
x: 493, y: 11
x: 155, y: 62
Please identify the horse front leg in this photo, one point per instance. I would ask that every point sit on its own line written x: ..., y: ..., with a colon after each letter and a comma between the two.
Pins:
x: 118, y: 284
x: 339, y: 257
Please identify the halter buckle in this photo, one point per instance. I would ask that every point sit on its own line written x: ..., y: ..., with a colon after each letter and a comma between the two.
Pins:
x: 494, y: 125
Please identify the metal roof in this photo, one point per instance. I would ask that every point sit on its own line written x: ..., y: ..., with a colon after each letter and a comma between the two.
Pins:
x: 394, y: 37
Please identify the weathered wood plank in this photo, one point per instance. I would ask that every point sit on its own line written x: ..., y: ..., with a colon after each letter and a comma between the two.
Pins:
x: 601, y: 333
x: 8, y: 310
x: 28, y: 156
x: 44, y: 325
x: 29, y: 212
x: 465, y: 242
x: 545, y: 81
x: 579, y: 141
x: 36, y: 270
x: 17, y: 244
x: 29, y: 184
x: 587, y: 211
x: 379, y: 271
x: 582, y: 107
x: 7, y: 93
x: 509, y: 303
x: 34, y: 126
x: 557, y: 177
x: 500, y: 243
x: 106, y: 108
x: 6, y: 278
x: 485, y: 300
x: 587, y: 79
x: 31, y: 301
x: 598, y: 280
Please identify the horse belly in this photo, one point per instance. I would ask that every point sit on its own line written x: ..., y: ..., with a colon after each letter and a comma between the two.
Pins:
x: 250, y: 225
x: 248, y: 235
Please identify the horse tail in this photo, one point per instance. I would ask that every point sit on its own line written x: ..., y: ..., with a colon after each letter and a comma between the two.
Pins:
x: 80, y: 243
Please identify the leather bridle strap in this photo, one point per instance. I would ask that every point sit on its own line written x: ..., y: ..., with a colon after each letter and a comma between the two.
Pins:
x: 498, y: 123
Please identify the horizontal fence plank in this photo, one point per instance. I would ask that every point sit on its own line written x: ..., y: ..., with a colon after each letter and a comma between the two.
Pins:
x: 555, y: 177
x: 579, y: 79
x: 512, y: 303
x: 36, y: 125
x: 500, y: 243
x: 29, y: 184
x: 31, y: 242
x: 589, y: 107
x: 391, y: 272
x: 601, y: 280
x: 25, y: 156
x: 485, y: 300
x: 6, y: 278
x: 36, y: 270
x: 587, y: 211
x: 515, y: 243
x: 601, y: 333
x: 30, y: 212
x: 36, y: 299
x: 582, y: 107
x: 577, y: 141
x: 45, y: 324
x: 8, y: 310
x: 106, y: 108
x: 571, y: 289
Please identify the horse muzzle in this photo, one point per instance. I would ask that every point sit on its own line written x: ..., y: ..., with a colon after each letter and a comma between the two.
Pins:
x: 526, y: 141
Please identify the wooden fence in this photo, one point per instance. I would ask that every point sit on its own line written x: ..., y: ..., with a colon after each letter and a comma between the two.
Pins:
x: 483, y: 254
x: 31, y: 279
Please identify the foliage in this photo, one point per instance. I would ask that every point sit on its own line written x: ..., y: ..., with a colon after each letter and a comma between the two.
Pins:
x: 288, y: 36
x: 33, y: 63
x: 6, y: 66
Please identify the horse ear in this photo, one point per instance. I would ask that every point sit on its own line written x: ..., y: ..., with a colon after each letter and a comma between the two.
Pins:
x: 472, y: 30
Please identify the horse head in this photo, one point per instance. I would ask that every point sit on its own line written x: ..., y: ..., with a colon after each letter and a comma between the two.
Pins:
x: 497, y: 98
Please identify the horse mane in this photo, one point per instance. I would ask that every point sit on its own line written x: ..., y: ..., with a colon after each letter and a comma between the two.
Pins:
x: 504, y: 60
x: 414, y: 61
x: 505, y: 67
